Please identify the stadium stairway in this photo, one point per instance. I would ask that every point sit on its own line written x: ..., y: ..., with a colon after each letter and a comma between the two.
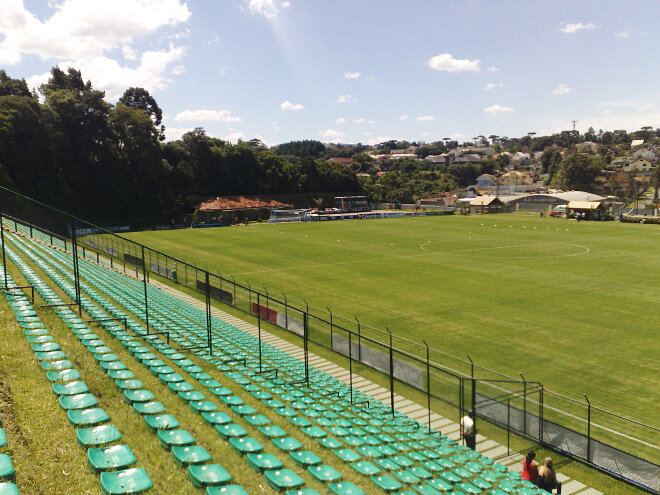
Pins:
x: 414, y: 469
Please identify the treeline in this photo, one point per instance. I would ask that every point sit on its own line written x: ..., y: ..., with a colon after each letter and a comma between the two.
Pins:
x: 66, y: 146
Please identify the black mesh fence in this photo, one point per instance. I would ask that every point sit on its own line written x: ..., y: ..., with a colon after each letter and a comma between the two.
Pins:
x: 445, y: 380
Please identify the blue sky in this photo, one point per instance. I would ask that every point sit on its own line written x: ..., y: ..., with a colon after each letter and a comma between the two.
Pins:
x: 354, y: 71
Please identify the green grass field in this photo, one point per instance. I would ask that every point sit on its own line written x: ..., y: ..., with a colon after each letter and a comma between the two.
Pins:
x: 573, y: 305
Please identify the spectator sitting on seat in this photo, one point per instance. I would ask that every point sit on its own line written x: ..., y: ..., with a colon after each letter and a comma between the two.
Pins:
x: 530, y: 470
x: 548, y: 477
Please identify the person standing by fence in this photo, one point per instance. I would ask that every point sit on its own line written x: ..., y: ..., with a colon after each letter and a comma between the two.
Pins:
x: 468, y: 430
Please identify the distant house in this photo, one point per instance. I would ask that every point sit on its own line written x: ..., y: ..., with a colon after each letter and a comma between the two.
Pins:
x: 587, y: 147
x: 399, y: 156
x: 639, y: 165
x: 467, y: 158
x: 646, y: 154
x: 486, y: 204
x: 485, y: 180
x: 343, y: 161
x: 516, y: 177
x: 518, y: 159
x: 444, y: 158
x: 636, y: 142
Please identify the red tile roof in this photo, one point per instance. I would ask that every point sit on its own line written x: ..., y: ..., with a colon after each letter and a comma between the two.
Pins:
x: 239, y: 203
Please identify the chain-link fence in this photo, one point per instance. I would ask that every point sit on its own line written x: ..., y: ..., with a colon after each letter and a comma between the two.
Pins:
x: 622, y: 447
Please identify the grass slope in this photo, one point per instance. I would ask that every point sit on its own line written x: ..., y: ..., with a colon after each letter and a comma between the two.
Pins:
x: 572, y: 305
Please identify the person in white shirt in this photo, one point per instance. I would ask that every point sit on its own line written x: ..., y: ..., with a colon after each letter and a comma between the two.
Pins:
x: 468, y: 430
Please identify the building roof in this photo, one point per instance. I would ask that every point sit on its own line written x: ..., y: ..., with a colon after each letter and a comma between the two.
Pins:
x: 484, y: 201
x: 584, y: 205
x: 577, y: 196
x: 337, y: 159
x: 221, y: 203
x: 636, y: 142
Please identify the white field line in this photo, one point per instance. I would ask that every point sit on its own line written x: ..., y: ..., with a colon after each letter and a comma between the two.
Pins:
x: 427, y: 253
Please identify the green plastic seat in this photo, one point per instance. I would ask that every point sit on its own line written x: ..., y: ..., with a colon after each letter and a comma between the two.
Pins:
x: 244, y: 410
x: 110, y: 458
x: 45, y: 347
x: 208, y: 475
x: 468, y: 488
x: 449, y: 477
x: 202, y: 406
x: 407, y: 477
x: 300, y: 421
x: 426, y: 490
x: 221, y: 391
x: 177, y: 387
x: 217, y: 418
x: 120, y: 374
x: 87, y: 417
x: 140, y: 395
x: 226, y: 490
x: 420, y: 472
x: 440, y: 485
x: 133, y: 480
x: 6, y: 468
x: 386, y: 483
x: 192, y: 395
x: 481, y: 484
x: 68, y: 375
x: 78, y: 401
x: 113, y: 365
x: 305, y: 458
x: 387, y: 464
x: 175, y: 438
x: 369, y: 451
x: 161, y: 422
x: 98, y: 436
x: 132, y: 384
x: 7, y: 488
x: 3, y: 437
x: 70, y: 388
x: 331, y: 443
x: 257, y: 419
x: 325, y: 473
x: 287, y: 444
x: 345, y: 488
x: 145, y: 408
x: 194, y: 454
x: 63, y: 364
x: 366, y: 468
x: 264, y: 462
x: 232, y: 400
x: 246, y: 445
x: 272, y: 431
x: 230, y: 430
x: 283, y: 479
x: 314, y: 432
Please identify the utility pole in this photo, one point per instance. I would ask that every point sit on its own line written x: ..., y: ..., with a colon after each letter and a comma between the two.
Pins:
x: 574, y: 122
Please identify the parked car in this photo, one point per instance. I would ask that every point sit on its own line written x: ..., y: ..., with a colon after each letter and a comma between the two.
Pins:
x: 558, y: 211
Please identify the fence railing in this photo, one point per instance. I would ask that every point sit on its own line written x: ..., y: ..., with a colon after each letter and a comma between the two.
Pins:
x: 575, y: 428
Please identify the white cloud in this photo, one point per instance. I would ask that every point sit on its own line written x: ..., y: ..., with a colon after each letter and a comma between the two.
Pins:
x: 332, y: 135
x: 288, y: 106
x: 83, y: 29
x: 174, y: 133
x: 492, y: 69
x: 359, y: 121
x: 447, y: 62
x: 574, y: 28
x: 495, y: 110
x: 371, y: 122
x: 425, y: 118
x: 235, y: 136
x: 82, y: 33
x: 459, y: 136
x: 178, y: 70
x: 607, y: 111
x: 341, y: 121
x: 379, y: 139
x: 352, y: 75
x: 403, y: 117
x: 490, y: 86
x: 206, y: 116
x: 345, y: 99
x: 267, y: 8
x: 561, y: 89
x: 623, y: 34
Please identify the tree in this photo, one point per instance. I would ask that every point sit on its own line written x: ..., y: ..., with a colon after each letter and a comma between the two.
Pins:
x: 577, y: 171
x: 14, y: 87
x: 140, y: 99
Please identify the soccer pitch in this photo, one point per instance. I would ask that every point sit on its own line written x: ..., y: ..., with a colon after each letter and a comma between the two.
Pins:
x: 572, y: 305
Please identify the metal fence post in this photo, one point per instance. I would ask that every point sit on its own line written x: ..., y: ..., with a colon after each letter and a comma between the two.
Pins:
x: 233, y: 281
x: 4, y: 259
x: 331, y: 327
x: 146, y: 299
x: 259, y: 325
x: 209, y: 321
x: 524, y: 403
x: 350, y: 363
x: 306, y: 335
x: 249, y: 296
x: 508, y: 426
x: 588, y: 428
x: 359, y: 340
x: 428, y: 383
x: 391, y: 373
x: 76, y: 272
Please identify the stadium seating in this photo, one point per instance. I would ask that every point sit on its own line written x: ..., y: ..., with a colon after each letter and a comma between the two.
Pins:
x: 384, y: 452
